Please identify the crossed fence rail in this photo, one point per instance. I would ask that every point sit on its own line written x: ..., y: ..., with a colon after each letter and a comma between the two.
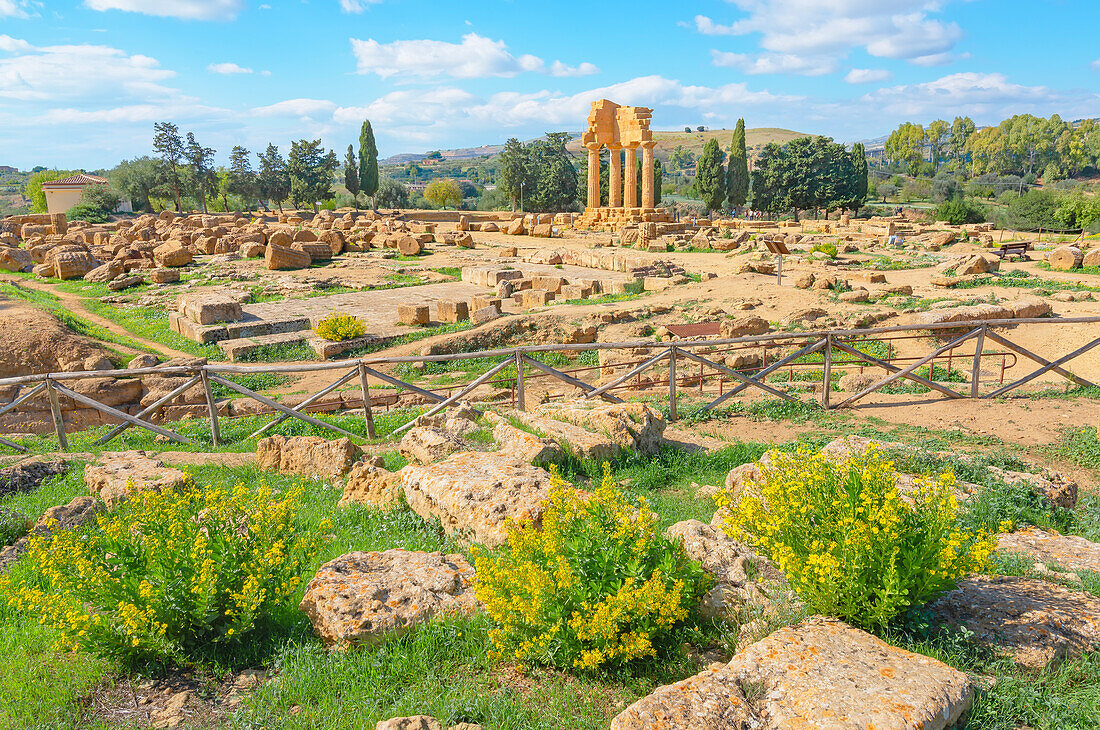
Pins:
x: 813, y: 349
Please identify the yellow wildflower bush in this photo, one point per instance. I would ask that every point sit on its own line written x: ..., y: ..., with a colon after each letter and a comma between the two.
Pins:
x: 851, y: 545
x: 338, y: 327
x: 167, y: 574
x: 598, y: 584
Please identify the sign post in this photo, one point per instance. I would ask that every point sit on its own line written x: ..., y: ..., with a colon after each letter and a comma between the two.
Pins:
x: 779, y: 248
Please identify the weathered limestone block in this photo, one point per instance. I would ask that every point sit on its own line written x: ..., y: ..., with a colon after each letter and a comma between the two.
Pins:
x: 1066, y: 258
x: 526, y: 446
x: 208, y: 308
x: 372, y: 485
x: 584, y: 444
x: 1092, y: 258
x: 630, y: 425
x: 1055, y: 487
x: 314, y: 455
x: 115, y: 474
x: 365, y: 597
x: 452, y: 311
x: 413, y: 315
x: 1030, y: 308
x: 172, y: 254
x: 280, y: 258
x: 718, y: 554
x: 14, y: 259
x: 473, y: 494
x: 408, y: 246
x: 28, y: 474
x: 1033, y: 621
x: 811, y: 675
x: 412, y: 722
x: 73, y: 264
x: 745, y: 327
x: 317, y: 250
x: 428, y: 444
x: 1068, y: 552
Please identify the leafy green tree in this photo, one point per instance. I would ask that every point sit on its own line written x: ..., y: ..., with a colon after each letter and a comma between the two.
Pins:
x: 710, y: 176
x: 938, y: 137
x: 33, y: 187
x: 961, y: 129
x: 737, y: 172
x: 859, y: 161
x: 101, y: 197
x: 241, y: 179
x: 351, y: 175
x: 274, y: 177
x: 443, y: 193
x: 368, y: 163
x: 168, y: 146
x: 391, y: 194
x: 311, y: 172
x: 551, y: 174
x: 203, y: 178
x: 138, y: 180
x: 513, y: 175
x: 905, y: 145
x: 681, y: 158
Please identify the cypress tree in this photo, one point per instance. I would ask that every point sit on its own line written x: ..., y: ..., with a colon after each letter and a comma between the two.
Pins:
x: 859, y: 159
x: 351, y: 176
x: 737, y: 176
x: 710, y: 176
x: 368, y: 162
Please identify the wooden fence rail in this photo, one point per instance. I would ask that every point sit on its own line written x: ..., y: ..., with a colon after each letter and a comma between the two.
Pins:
x: 821, y: 346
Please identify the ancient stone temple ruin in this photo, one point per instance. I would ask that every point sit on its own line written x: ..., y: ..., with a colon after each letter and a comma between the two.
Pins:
x: 622, y: 129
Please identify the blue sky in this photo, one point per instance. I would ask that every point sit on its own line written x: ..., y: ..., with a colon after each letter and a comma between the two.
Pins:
x: 82, y: 81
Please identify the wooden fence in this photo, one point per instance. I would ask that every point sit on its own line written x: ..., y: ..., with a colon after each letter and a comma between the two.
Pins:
x: 813, y: 349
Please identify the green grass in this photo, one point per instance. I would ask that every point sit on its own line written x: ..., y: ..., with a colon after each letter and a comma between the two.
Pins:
x: 1094, y: 270
x: 279, y: 352
x: 258, y: 382
x: 1019, y: 279
x: 152, y: 324
x: 1080, y: 445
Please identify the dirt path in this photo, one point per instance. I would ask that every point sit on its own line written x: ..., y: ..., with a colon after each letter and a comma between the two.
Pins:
x: 75, y: 304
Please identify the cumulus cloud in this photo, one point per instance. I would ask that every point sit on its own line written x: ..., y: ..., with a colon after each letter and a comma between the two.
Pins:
x: 867, y: 75
x: 901, y: 29
x: 475, y: 57
x: 227, y: 69
x: 296, y: 108
x: 775, y: 63
x: 14, y: 9
x: 184, y: 9
x: 12, y: 45
x: 356, y: 6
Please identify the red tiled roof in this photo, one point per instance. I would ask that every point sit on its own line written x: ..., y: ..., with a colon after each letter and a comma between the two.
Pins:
x: 79, y: 179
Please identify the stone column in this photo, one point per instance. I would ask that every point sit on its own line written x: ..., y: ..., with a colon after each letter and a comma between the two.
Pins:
x: 631, y: 183
x: 647, y: 174
x: 593, y: 174
x: 615, y: 178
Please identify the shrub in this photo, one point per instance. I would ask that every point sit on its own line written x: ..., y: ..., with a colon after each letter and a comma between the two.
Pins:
x: 850, y: 545
x: 86, y: 212
x: 338, y: 327
x: 960, y: 211
x: 167, y: 575
x: 829, y: 249
x: 597, y: 585
x: 103, y: 197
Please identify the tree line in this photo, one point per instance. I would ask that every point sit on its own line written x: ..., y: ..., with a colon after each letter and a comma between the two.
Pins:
x: 1023, y: 145
x: 808, y: 173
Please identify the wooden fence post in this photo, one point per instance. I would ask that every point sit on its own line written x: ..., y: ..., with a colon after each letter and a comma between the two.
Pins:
x: 827, y: 372
x: 975, y: 370
x: 58, y: 419
x: 212, y: 408
x: 521, y: 402
x: 368, y: 414
x: 672, y: 383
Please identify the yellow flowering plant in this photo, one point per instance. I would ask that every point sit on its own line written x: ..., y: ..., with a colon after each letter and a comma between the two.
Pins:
x: 596, y: 584
x: 851, y: 544
x: 337, y: 327
x: 168, y: 574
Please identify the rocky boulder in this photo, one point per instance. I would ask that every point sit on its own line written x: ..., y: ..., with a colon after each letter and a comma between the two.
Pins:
x: 28, y: 474
x: 629, y: 425
x: 428, y: 444
x: 1047, y: 547
x: 373, y: 485
x: 810, y: 676
x: 312, y: 455
x: 364, y: 597
x: 474, y: 494
x: 1035, y: 622
x: 526, y: 446
x: 1066, y: 258
x: 117, y: 474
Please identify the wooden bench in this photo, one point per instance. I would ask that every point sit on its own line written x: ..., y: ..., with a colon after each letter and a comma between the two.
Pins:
x: 1014, y: 249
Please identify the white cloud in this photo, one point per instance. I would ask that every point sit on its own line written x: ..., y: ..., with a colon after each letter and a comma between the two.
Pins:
x: 227, y: 69
x: 89, y: 74
x: 867, y: 75
x: 295, y: 108
x: 14, y: 9
x: 356, y: 6
x: 775, y: 63
x: 13, y: 45
x: 885, y: 28
x: 557, y: 68
x: 476, y: 57
x: 1096, y: 64
x: 185, y: 9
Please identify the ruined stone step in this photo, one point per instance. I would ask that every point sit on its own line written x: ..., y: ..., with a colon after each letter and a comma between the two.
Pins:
x: 248, y: 327
x: 239, y: 348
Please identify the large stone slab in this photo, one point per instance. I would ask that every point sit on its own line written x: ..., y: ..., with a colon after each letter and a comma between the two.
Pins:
x: 1068, y: 552
x: 1035, y: 622
x: 363, y: 597
x: 372, y: 485
x: 629, y: 425
x: 116, y: 474
x: 581, y: 442
x: 473, y: 494
x: 526, y: 446
x: 428, y: 444
x: 312, y: 455
x: 821, y: 673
